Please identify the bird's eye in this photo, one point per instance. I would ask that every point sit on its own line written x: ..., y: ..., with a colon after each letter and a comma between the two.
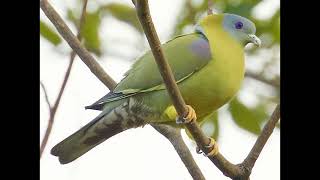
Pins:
x: 238, y: 25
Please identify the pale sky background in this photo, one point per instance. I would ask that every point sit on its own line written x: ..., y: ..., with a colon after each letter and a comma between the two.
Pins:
x: 140, y: 153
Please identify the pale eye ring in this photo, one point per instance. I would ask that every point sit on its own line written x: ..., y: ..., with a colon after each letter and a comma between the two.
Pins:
x: 238, y: 25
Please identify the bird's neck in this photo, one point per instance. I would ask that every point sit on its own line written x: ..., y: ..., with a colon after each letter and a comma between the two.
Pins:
x: 228, y: 54
x: 221, y: 42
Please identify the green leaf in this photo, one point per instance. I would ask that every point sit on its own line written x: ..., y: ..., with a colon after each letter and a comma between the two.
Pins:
x: 243, y: 9
x: 123, y: 13
x: 72, y: 17
x: 49, y: 34
x: 89, y: 31
x: 246, y: 118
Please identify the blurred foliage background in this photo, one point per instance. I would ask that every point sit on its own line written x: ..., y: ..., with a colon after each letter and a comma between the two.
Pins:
x: 260, y: 91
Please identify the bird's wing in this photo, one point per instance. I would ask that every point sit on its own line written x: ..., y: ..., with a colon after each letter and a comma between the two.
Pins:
x: 186, y: 54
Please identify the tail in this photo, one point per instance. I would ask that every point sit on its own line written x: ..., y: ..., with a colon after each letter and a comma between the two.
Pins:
x: 113, y: 120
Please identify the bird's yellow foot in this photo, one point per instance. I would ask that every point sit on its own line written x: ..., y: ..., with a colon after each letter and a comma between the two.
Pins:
x: 214, y: 151
x: 191, y: 116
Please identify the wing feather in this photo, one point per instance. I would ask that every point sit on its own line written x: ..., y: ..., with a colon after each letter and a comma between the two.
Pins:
x: 186, y: 54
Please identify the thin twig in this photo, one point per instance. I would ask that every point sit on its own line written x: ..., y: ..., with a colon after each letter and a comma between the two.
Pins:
x: 47, y: 133
x: 262, y: 139
x: 273, y: 82
x: 56, y: 104
x: 75, y: 44
x: 54, y: 108
x: 174, y: 136
x: 46, y: 96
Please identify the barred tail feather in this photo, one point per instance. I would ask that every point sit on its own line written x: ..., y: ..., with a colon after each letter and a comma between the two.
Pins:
x: 107, y: 124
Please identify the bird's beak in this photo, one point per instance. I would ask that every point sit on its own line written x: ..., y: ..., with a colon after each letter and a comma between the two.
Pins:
x: 254, y: 39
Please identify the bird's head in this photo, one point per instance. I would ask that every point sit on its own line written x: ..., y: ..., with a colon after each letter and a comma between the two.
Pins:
x: 240, y: 28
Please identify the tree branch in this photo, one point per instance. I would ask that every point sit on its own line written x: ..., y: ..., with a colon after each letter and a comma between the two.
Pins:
x: 228, y: 169
x: 262, y: 139
x: 272, y: 82
x: 50, y: 122
x: 54, y: 108
x: 46, y: 96
x: 75, y: 44
x: 174, y: 136
x: 163, y: 65
x: 166, y: 73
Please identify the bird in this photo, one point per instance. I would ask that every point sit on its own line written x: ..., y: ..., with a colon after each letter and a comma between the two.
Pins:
x: 208, y: 66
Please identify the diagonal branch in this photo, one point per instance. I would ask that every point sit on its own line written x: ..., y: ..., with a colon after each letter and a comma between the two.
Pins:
x: 166, y: 72
x: 174, y: 136
x: 262, y: 139
x: 172, y: 88
x: 54, y: 108
x: 163, y: 65
x: 75, y: 44
x: 228, y: 169
x: 272, y: 82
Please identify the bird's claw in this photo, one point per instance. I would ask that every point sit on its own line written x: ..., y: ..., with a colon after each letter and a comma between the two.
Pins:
x: 215, y: 148
x: 214, y: 151
x: 179, y: 120
x: 198, y: 150
x: 191, y: 116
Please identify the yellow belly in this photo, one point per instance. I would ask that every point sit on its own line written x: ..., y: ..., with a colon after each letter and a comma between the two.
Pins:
x: 212, y: 87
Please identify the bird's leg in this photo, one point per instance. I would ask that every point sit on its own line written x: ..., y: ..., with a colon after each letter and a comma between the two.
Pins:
x: 214, y: 151
x: 212, y: 146
x: 191, y: 116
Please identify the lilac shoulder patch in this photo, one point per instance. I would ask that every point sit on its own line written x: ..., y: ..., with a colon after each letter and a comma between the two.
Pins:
x: 201, y: 48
